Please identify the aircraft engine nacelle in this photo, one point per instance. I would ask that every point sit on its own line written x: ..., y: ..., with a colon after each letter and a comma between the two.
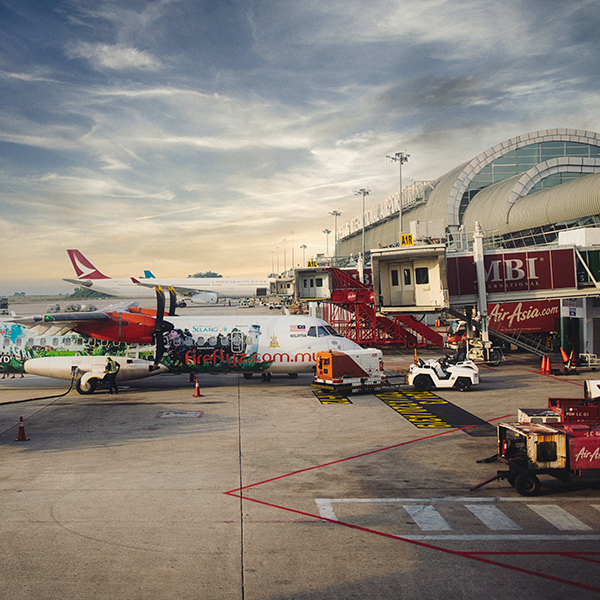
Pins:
x: 205, y: 298
x: 90, y: 367
x: 121, y: 327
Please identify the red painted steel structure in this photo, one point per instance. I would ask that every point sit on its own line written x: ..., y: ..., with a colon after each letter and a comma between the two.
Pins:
x: 351, y: 311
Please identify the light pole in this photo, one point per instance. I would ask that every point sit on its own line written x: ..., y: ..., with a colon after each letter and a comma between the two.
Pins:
x: 277, y: 248
x: 363, y: 192
x: 304, y: 246
x: 327, y: 232
x: 335, y: 214
x: 284, y: 258
x: 400, y: 158
x: 293, y: 263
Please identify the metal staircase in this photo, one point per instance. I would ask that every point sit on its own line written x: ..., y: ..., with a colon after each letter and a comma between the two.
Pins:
x: 351, y: 310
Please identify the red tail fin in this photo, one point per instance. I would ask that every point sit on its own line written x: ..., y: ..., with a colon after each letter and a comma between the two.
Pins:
x: 83, y: 267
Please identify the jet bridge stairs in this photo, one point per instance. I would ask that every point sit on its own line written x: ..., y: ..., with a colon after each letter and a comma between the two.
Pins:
x: 351, y: 310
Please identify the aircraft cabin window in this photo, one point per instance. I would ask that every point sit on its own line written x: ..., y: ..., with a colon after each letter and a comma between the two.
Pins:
x: 55, y: 342
x: 312, y: 331
x: 68, y: 342
x: 406, y: 276
x: 42, y: 341
x: 394, y: 277
x: 6, y: 342
x: 422, y: 276
x: 80, y: 341
x: 30, y: 342
x: 19, y: 341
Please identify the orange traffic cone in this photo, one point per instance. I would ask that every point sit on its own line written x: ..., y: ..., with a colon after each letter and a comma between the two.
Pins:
x: 21, y: 436
x: 543, y: 365
x: 197, y: 393
x: 564, y: 356
x: 548, y: 367
x: 416, y: 358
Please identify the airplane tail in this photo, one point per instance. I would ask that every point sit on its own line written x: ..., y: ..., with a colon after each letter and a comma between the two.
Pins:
x: 83, y: 267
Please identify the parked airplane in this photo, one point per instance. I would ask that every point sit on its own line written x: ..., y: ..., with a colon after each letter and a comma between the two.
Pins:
x: 200, y: 290
x: 215, y: 344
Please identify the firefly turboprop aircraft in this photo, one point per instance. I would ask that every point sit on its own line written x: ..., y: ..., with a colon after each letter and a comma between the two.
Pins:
x: 202, y: 290
x: 217, y: 344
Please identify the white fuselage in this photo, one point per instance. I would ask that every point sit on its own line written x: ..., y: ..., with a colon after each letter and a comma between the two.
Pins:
x: 286, y: 344
x: 223, y: 287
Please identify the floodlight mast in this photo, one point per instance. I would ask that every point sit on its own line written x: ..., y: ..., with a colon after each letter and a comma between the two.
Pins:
x: 327, y: 232
x: 362, y: 192
x: 400, y: 158
x: 335, y: 214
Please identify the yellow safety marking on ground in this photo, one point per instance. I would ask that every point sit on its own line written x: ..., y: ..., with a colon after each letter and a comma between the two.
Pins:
x: 326, y: 397
x: 410, y: 404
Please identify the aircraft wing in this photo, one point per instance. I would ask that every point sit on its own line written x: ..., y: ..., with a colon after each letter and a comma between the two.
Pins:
x: 59, y: 324
x: 179, y: 289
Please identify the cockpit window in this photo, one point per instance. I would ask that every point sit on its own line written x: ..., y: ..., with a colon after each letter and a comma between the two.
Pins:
x: 332, y: 331
x: 323, y: 332
x: 312, y: 331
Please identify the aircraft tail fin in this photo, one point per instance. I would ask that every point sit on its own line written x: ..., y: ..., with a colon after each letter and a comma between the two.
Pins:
x: 148, y: 275
x: 83, y: 267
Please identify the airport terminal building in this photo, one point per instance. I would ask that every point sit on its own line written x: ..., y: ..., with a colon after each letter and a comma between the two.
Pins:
x: 523, y: 191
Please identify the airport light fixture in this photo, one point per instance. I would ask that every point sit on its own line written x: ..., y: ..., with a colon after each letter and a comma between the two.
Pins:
x: 284, y: 257
x: 363, y: 192
x: 400, y: 158
x: 335, y: 214
x: 327, y: 232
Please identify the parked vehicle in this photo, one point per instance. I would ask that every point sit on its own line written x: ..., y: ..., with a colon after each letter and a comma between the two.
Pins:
x: 443, y: 373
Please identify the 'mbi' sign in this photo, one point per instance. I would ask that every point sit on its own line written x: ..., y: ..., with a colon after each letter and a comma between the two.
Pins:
x: 406, y: 239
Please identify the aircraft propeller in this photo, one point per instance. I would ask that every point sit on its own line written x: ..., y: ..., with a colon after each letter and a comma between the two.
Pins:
x: 160, y: 326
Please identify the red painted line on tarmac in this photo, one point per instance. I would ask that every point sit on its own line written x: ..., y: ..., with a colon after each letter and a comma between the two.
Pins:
x: 555, y: 377
x: 477, y: 556
x: 469, y: 555
x: 341, y: 460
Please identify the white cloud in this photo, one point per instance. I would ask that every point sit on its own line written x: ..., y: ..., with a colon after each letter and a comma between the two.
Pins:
x: 118, y: 57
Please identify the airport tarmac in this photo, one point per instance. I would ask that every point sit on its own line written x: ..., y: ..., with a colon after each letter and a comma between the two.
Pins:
x: 260, y: 491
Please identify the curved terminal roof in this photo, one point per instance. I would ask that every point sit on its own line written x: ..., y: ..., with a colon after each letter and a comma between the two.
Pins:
x: 514, y: 203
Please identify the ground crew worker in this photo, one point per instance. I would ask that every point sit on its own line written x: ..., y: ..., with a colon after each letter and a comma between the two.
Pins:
x: 112, y: 368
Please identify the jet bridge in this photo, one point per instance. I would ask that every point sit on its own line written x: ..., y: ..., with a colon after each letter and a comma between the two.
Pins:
x: 349, y: 306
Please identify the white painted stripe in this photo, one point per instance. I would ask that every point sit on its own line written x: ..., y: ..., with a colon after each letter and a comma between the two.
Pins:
x: 559, y: 517
x: 511, y: 537
x: 492, y: 517
x: 458, y: 499
x: 596, y: 506
x: 426, y: 517
x: 325, y: 509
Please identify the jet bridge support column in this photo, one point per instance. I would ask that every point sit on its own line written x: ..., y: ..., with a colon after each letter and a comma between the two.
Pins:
x: 481, y: 289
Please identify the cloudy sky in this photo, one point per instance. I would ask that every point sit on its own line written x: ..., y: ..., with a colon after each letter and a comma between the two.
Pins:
x: 188, y: 135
